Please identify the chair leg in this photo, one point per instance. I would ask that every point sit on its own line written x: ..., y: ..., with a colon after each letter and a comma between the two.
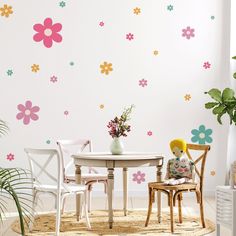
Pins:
x: 180, y: 208
x: 58, y: 214
x: 202, y: 211
x: 89, y: 199
x: 149, y: 206
x: 63, y: 205
x: 171, y: 211
x: 86, y: 209
x: 34, y: 203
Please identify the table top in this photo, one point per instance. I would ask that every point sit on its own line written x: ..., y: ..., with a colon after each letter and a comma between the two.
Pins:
x: 127, y: 156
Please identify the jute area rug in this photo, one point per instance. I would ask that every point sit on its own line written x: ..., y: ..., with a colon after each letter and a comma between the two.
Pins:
x: 133, y: 224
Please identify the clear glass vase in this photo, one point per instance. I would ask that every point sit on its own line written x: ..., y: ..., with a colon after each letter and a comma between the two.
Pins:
x: 117, y: 146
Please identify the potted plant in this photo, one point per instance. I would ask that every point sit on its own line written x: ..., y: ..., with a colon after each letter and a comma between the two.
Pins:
x: 224, y: 102
x: 13, y: 183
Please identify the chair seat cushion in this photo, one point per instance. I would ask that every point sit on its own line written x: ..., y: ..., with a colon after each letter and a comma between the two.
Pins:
x: 163, y: 186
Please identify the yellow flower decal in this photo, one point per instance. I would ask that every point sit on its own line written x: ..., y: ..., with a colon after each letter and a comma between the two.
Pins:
x: 187, y: 97
x: 106, y: 68
x: 6, y: 10
x: 137, y: 10
x: 35, y: 68
x: 155, y: 52
x: 101, y: 106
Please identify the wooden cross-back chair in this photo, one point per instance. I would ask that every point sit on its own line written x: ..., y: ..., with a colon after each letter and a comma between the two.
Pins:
x: 69, y: 147
x: 46, y: 171
x: 174, y: 192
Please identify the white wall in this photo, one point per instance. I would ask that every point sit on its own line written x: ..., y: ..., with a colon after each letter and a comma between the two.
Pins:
x: 177, y: 70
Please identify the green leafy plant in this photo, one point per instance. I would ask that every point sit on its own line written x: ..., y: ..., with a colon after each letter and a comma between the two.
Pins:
x: 14, y: 182
x: 224, y: 103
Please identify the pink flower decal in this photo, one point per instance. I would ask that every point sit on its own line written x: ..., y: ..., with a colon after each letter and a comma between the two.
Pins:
x: 53, y: 79
x: 143, y: 82
x: 101, y: 23
x: 149, y: 133
x: 47, y: 32
x: 66, y: 113
x: 129, y: 36
x: 206, y: 65
x: 139, y: 177
x: 27, y: 112
x: 10, y: 157
x: 188, y: 32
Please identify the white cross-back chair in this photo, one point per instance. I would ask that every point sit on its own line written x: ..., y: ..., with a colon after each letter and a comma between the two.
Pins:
x: 47, y: 174
x: 69, y: 147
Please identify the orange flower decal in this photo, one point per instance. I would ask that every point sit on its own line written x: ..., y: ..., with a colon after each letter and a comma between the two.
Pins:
x: 6, y: 10
x: 155, y: 52
x: 137, y: 10
x: 187, y: 97
x: 213, y: 173
x: 101, y: 106
x: 35, y: 68
x: 106, y: 68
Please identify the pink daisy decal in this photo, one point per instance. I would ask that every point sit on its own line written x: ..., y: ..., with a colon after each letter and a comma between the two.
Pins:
x: 53, y: 79
x: 48, y: 32
x: 66, y: 113
x: 206, y: 65
x: 27, y: 112
x: 143, y: 82
x: 139, y: 177
x: 101, y: 23
x: 129, y: 36
x: 10, y: 157
x: 149, y: 133
x: 188, y: 32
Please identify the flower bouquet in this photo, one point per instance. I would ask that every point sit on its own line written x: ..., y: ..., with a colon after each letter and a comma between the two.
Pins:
x: 118, y: 127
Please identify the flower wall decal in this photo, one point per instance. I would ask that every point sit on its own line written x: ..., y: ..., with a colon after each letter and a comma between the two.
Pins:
x: 6, y: 10
x: 137, y: 10
x: 35, y: 68
x: 27, y: 112
x: 139, y: 177
x: 48, y: 32
x: 106, y: 68
x: 143, y: 82
x: 188, y: 33
x: 206, y: 65
x: 201, y: 135
x: 129, y: 36
x: 53, y: 79
x: 10, y: 157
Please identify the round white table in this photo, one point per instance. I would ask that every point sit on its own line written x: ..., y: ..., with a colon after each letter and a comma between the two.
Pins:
x: 111, y: 162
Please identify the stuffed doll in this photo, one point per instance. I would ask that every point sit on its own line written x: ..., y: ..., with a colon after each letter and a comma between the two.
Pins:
x: 179, y: 169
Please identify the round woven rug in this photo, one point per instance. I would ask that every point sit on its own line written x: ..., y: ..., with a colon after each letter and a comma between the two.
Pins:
x: 132, y: 224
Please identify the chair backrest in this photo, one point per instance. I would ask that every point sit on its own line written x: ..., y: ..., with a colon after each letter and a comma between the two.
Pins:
x: 198, y: 153
x: 69, y: 147
x: 45, y: 166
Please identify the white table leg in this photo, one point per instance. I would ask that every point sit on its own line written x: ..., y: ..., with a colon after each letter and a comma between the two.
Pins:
x: 159, y: 173
x: 77, y: 181
x: 110, y: 195
x: 125, y: 192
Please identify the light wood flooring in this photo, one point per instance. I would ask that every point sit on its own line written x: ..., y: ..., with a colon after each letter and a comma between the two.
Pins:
x: 190, y: 207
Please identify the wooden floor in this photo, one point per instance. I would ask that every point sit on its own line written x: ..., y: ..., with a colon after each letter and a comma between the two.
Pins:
x: 190, y: 207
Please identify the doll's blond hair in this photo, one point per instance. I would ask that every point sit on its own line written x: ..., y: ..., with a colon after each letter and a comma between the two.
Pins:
x: 180, y: 143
